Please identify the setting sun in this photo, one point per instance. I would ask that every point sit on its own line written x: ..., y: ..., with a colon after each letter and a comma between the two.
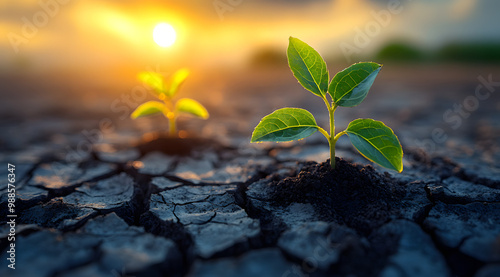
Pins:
x: 164, y: 34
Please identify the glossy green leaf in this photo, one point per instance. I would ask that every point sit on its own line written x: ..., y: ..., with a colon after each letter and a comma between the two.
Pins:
x: 308, y: 67
x: 192, y: 107
x: 377, y: 142
x: 285, y: 125
x: 155, y: 82
x: 176, y: 80
x: 148, y: 108
x: 350, y: 86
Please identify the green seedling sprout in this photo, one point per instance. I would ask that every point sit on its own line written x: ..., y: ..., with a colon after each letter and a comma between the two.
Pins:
x: 373, y: 139
x: 166, y: 91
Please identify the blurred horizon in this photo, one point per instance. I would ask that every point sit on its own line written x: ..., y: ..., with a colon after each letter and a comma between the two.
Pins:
x: 43, y: 35
x: 83, y: 55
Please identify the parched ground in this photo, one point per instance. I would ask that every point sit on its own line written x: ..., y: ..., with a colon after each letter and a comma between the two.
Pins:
x: 95, y: 201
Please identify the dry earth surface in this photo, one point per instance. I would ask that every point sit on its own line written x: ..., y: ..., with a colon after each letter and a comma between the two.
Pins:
x: 101, y: 195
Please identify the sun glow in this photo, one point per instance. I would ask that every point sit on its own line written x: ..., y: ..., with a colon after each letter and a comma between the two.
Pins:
x: 164, y: 35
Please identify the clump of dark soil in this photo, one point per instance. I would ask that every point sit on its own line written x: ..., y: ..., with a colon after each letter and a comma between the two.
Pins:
x: 350, y: 194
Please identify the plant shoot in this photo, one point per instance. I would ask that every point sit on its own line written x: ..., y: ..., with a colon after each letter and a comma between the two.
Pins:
x: 166, y: 91
x: 348, y: 88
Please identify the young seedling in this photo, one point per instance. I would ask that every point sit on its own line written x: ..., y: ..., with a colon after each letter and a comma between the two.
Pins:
x: 166, y: 91
x: 373, y: 139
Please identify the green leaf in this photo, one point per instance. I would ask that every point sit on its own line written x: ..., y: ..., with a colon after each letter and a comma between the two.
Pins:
x: 191, y: 106
x: 285, y: 125
x: 149, y: 108
x: 176, y: 80
x: 350, y: 86
x: 308, y: 67
x: 154, y: 81
x: 376, y: 142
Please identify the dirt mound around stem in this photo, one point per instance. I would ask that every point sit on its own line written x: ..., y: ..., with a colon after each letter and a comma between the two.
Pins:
x: 350, y: 194
x: 178, y: 146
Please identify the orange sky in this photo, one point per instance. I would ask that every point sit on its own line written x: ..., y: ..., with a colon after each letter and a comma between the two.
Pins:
x: 95, y: 34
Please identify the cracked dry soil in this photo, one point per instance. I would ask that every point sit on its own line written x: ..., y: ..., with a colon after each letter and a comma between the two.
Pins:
x: 202, y: 209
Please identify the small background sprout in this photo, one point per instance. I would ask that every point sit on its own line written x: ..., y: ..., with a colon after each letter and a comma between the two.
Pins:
x: 166, y: 91
x: 373, y: 139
